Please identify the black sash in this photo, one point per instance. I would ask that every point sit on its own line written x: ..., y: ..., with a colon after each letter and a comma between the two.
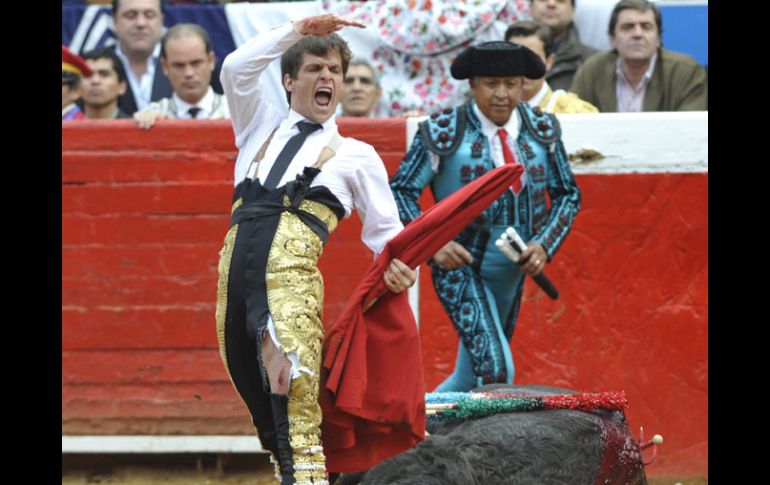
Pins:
x: 262, y: 208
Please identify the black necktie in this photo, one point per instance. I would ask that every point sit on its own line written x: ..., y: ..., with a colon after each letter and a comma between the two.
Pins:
x: 287, y: 154
x: 194, y: 111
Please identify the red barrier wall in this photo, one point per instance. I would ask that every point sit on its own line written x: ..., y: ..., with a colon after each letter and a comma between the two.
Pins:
x: 143, y: 217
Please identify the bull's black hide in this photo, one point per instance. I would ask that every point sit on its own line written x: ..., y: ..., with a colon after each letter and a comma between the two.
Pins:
x: 559, y: 447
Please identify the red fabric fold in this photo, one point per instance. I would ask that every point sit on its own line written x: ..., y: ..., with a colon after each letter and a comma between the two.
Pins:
x: 372, y: 388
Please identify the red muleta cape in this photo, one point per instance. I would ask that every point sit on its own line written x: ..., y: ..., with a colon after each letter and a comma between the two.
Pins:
x: 372, y: 389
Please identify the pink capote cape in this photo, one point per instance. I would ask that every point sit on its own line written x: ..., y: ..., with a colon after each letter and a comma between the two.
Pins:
x: 372, y: 388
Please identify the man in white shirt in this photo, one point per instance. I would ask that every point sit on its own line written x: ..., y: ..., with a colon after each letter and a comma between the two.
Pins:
x: 188, y: 60
x: 295, y: 178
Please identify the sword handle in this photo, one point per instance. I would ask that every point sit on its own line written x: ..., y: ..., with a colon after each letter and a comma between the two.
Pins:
x: 541, y: 279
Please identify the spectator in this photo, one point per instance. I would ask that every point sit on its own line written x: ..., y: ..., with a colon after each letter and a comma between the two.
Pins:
x: 537, y: 92
x: 361, y: 89
x: 638, y: 74
x: 569, y: 52
x: 138, y: 26
x: 188, y: 60
x: 73, y: 68
x: 103, y: 87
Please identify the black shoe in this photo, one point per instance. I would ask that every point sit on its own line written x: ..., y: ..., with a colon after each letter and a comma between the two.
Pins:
x: 280, y: 405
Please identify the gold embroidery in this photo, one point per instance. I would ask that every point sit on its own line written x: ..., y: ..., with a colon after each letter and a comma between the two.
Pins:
x: 304, y: 426
x: 295, y: 297
x: 225, y: 256
x: 223, y: 268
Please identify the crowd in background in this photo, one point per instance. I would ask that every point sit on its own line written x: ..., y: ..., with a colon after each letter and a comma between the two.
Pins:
x: 153, y: 72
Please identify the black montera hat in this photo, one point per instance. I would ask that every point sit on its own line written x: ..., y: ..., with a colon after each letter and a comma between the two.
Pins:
x: 497, y: 59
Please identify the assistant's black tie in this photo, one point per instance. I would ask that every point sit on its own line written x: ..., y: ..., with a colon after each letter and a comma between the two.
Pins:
x: 287, y: 154
x: 194, y: 111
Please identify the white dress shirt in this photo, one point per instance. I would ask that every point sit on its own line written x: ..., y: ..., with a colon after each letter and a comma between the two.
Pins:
x: 142, y: 88
x: 211, y: 104
x: 213, y: 107
x: 356, y: 175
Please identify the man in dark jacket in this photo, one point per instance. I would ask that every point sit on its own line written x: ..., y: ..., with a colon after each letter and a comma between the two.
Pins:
x: 638, y: 74
x: 138, y: 26
x: 569, y: 52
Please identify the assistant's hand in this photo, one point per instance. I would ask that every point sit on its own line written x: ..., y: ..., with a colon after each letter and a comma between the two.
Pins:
x: 535, y: 257
x: 325, y: 24
x: 452, y: 256
x: 398, y: 276
x: 147, y: 119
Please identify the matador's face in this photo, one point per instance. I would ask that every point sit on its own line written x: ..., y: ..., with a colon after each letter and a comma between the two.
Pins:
x: 315, y: 91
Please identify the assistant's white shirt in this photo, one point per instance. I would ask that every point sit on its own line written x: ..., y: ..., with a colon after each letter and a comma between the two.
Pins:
x: 355, y: 175
x: 209, y: 105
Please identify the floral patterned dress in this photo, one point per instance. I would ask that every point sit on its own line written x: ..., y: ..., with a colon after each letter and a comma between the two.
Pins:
x: 420, y: 39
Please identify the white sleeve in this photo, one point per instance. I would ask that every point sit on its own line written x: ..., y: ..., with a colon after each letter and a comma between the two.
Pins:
x: 374, y: 201
x: 240, y: 77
